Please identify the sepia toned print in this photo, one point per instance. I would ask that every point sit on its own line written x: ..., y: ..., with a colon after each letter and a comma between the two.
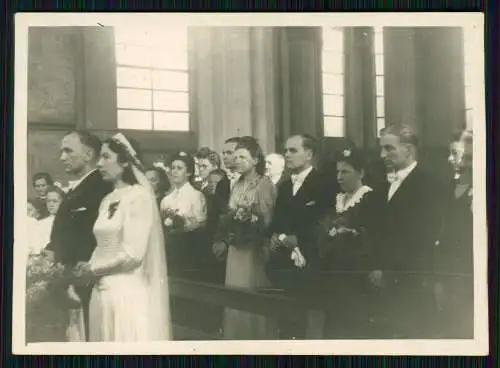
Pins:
x: 238, y: 188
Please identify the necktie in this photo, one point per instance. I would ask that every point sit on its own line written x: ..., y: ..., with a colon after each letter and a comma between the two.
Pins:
x: 294, y: 178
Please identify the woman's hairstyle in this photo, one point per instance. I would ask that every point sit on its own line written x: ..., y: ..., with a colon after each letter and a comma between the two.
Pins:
x: 56, y: 189
x: 219, y: 172
x: 43, y: 175
x: 162, y: 175
x: 37, y: 204
x: 188, y: 161
x: 212, y: 156
x: 125, y: 157
x: 353, y: 158
x: 253, y: 147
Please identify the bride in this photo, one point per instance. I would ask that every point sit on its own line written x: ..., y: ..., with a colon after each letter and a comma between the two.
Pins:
x: 129, y: 299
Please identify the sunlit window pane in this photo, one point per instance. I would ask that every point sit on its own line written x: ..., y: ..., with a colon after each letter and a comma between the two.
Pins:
x: 169, y: 80
x: 133, y: 98
x: 333, y: 62
x: 380, y: 85
x: 133, y: 55
x: 379, y: 43
x: 171, y: 101
x: 333, y: 39
x: 379, y: 64
x: 380, y: 125
x: 469, y: 118
x: 133, y: 77
x: 171, y: 121
x: 166, y: 58
x: 334, y: 126
x: 333, y: 84
x: 333, y: 105
x: 380, y: 106
x: 469, y: 97
x: 133, y: 119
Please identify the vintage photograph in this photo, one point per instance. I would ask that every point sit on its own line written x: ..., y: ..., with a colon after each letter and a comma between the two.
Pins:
x: 292, y: 183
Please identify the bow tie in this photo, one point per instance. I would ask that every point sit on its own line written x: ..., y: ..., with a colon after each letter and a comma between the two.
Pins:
x: 392, y: 177
x: 233, y: 176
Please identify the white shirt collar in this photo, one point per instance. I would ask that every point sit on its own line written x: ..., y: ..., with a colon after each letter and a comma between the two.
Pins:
x: 72, y: 184
x: 275, y: 178
x: 403, y: 173
x: 300, y: 177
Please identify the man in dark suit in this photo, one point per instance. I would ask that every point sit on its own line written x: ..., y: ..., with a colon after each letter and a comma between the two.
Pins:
x: 406, y: 228
x: 72, y: 239
x: 302, y: 200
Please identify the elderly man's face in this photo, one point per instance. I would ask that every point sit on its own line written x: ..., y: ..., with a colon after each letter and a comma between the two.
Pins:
x: 274, y: 165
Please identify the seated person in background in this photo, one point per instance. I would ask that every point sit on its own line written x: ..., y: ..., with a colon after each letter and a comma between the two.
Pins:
x: 41, y: 182
x: 275, y: 166
x: 184, y: 216
x: 159, y: 181
x: 55, y: 197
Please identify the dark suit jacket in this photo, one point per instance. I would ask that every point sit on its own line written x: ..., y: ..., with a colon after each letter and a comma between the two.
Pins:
x: 72, y: 239
x: 406, y: 228
x: 299, y: 215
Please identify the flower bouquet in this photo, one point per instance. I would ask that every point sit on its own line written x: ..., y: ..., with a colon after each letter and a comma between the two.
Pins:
x: 335, y: 233
x: 241, y: 227
x: 173, y: 220
x: 45, y: 307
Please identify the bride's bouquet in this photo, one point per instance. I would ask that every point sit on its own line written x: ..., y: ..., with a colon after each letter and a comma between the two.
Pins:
x: 173, y: 220
x: 44, y: 302
x: 241, y: 227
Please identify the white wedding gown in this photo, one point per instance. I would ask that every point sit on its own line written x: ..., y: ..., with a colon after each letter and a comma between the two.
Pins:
x: 128, y: 302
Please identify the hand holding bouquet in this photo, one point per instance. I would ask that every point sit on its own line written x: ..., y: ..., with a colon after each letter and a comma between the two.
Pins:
x: 173, y: 220
x: 241, y: 226
x: 339, y: 226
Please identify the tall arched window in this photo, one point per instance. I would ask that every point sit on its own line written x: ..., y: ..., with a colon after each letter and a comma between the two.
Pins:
x: 469, y: 55
x: 152, y: 78
x: 333, y: 81
x: 379, y: 76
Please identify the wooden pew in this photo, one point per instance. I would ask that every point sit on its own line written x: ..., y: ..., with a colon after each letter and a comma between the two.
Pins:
x: 267, y: 304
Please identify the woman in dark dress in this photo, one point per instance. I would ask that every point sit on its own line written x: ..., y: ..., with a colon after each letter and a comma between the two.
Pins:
x: 343, y: 245
x: 454, y: 259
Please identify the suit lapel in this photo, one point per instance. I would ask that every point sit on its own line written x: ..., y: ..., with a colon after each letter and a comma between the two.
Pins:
x: 405, y: 186
x: 306, y: 183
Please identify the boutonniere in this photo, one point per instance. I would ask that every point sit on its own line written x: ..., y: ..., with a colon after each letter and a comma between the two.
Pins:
x: 112, y: 209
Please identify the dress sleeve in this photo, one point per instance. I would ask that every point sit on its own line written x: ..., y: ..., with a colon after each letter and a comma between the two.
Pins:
x: 265, y: 199
x: 198, y: 217
x: 137, y: 223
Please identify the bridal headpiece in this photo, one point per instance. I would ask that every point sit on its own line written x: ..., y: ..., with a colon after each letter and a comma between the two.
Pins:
x: 124, y: 142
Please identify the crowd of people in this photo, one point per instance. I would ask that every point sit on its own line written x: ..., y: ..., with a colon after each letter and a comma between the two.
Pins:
x: 393, y: 260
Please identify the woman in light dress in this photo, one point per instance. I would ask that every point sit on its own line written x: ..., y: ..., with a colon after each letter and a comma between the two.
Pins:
x: 245, y: 263
x: 130, y: 300
x: 184, y: 244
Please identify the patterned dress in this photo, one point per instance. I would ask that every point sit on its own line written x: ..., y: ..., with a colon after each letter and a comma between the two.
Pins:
x: 245, y: 264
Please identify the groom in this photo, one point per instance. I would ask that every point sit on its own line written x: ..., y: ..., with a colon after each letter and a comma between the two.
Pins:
x: 72, y: 239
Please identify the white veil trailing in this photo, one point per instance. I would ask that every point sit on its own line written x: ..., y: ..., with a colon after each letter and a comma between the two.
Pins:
x: 155, y: 261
